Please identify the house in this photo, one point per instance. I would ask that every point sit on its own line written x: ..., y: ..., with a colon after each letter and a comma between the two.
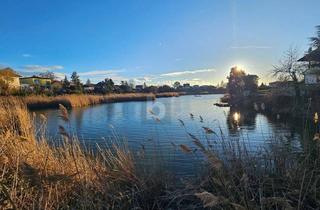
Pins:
x: 281, y: 84
x: 312, y: 74
x: 282, y: 88
x: 10, y: 77
x: 278, y: 84
x: 56, y: 85
x: 36, y: 81
x: 139, y: 88
x: 186, y: 85
x: 88, y: 88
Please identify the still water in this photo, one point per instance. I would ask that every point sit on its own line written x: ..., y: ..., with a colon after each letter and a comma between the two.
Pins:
x: 157, y: 128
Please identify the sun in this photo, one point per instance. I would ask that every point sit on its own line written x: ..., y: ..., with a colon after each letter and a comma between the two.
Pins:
x: 239, y: 67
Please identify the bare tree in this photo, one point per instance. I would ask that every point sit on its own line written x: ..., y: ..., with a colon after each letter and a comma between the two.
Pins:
x: 288, y: 69
x: 48, y: 74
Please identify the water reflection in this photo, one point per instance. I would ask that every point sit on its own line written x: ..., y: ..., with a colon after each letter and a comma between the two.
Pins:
x: 78, y: 118
x: 110, y: 110
x: 241, y: 118
x: 236, y: 118
x: 131, y: 120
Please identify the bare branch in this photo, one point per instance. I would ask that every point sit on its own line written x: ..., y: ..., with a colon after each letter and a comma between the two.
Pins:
x: 288, y: 66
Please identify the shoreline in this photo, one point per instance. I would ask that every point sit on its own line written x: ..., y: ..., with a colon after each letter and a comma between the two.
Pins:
x: 277, y: 105
x: 36, y: 102
x: 83, y: 100
x: 32, y: 167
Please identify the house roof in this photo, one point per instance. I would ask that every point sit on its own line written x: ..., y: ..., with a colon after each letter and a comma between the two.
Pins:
x: 89, y: 85
x: 8, y: 72
x: 36, y: 77
x: 312, y: 56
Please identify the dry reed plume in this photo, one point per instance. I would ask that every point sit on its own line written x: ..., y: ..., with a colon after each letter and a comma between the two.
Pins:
x: 37, y: 102
x: 35, y: 175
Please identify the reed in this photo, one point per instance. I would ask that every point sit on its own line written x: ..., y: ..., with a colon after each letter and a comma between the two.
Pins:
x: 35, y: 175
x: 69, y: 101
x: 269, y: 178
x: 167, y: 94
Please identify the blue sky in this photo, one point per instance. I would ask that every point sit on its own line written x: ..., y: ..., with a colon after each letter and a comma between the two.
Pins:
x: 153, y: 41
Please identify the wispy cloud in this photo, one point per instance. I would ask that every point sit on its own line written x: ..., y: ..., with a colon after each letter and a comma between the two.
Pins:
x: 99, y: 75
x: 181, y: 73
x: 144, y: 79
x: 40, y: 68
x: 182, y: 81
x: 26, y: 55
x: 98, y: 72
x: 250, y: 47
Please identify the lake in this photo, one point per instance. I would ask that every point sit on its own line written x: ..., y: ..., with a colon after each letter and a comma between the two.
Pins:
x: 157, y: 128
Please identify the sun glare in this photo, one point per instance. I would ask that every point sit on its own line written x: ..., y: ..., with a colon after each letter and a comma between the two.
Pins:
x: 236, y: 117
x: 239, y: 67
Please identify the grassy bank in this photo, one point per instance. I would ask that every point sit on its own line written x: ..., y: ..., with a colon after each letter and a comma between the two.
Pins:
x: 167, y: 94
x: 273, y: 103
x: 36, y: 175
x: 69, y: 101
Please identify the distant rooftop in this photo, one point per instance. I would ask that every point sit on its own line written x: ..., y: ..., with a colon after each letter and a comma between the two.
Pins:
x: 312, y: 56
x: 35, y: 77
x: 8, y: 72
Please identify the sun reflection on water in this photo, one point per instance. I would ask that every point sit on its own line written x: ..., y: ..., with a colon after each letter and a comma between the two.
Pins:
x: 236, y: 117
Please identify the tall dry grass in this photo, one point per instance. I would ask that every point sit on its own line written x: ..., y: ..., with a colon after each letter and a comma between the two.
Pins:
x: 269, y: 178
x: 38, y: 102
x: 35, y: 102
x: 35, y: 175
x: 167, y: 94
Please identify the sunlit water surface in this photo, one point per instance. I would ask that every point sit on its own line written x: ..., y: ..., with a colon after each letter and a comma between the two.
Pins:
x: 157, y: 134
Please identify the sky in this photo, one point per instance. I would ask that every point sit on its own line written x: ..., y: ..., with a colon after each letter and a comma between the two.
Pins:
x: 153, y: 41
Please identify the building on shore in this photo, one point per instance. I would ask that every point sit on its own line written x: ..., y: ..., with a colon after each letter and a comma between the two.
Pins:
x: 89, y: 88
x: 56, y: 85
x: 312, y: 74
x: 285, y: 88
x: 139, y: 88
x: 10, y: 77
x: 36, y: 81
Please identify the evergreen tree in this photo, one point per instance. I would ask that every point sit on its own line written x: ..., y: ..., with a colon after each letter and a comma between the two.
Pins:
x: 315, y: 41
x: 109, y: 85
x: 76, y: 82
x: 65, y: 83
